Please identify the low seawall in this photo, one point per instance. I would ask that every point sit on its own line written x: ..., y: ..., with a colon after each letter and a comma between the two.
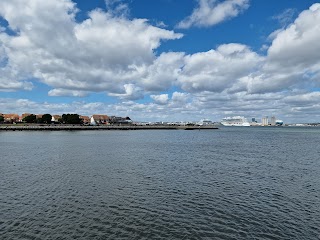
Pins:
x: 106, y: 127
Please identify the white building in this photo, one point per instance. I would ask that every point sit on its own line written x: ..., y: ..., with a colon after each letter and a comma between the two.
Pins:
x: 265, y: 121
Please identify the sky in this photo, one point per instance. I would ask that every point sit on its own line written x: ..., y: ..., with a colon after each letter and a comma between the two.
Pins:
x: 161, y: 60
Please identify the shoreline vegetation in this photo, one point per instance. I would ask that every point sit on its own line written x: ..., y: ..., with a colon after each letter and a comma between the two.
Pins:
x: 52, y: 127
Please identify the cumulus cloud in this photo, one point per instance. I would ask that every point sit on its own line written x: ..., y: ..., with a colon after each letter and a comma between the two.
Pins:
x: 212, y: 12
x: 180, y: 97
x: 91, y: 55
x: 163, y: 72
x: 131, y: 92
x: 293, y: 57
x: 161, y: 99
x: 298, y: 45
x: 218, y: 69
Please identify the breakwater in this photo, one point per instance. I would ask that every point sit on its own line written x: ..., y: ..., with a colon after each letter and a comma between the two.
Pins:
x: 104, y: 127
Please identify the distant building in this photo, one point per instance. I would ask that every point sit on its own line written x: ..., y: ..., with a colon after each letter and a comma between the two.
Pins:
x: 23, y: 116
x: 265, y: 121
x: 120, y: 120
x: 205, y: 122
x: 85, y: 119
x: 273, y: 121
x: 253, y: 120
x: 55, y: 118
x: 11, y: 117
x: 99, y: 119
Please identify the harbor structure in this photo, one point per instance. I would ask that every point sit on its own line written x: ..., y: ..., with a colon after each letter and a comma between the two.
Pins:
x: 273, y: 121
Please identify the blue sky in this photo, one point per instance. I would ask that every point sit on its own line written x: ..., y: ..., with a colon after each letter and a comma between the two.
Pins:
x: 161, y: 60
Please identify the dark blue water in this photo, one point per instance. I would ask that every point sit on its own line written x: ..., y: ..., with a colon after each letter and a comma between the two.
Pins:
x: 232, y: 183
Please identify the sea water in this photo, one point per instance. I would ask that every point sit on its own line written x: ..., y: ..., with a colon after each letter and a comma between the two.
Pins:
x: 231, y: 183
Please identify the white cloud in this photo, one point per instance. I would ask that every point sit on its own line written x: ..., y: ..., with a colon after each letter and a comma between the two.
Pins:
x: 161, y: 99
x: 117, y: 7
x: 285, y: 17
x: 58, y: 92
x: 211, y: 12
x: 180, y: 97
x: 131, y: 92
x: 293, y: 57
x: 303, y: 99
x: 100, y: 54
x: 298, y: 45
x: 217, y: 70
x: 164, y: 71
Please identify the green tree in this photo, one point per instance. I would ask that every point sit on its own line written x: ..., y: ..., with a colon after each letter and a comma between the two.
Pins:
x: 30, y: 119
x: 70, y: 119
x: 74, y: 119
x: 46, y: 118
x: 1, y: 119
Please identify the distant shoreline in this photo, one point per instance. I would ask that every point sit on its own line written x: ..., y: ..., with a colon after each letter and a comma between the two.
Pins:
x: 104, y: 127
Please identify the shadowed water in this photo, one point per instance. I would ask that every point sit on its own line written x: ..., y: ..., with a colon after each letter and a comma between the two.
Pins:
x: 232, y: 183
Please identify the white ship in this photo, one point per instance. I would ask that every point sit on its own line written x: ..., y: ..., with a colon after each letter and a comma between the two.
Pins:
x: 279, y: 122
x: 235, y: 121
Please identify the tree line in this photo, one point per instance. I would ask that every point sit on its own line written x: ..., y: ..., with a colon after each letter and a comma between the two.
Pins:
x: 47, y: 119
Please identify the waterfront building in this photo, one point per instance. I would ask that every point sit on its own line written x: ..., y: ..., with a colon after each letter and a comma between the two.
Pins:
x: 265, y: 121
x: 99, y: 119
x: 120, y: 120
x: 273, y: 121
x: 11, y: 117
x: 85, y: 119
x: 55, y: 118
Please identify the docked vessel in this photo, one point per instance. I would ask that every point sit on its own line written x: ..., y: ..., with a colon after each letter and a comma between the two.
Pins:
x: 279, y: 122
x: 235, y: 121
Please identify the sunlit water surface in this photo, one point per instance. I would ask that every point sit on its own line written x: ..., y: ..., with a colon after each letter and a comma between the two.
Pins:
x: 231, y: 183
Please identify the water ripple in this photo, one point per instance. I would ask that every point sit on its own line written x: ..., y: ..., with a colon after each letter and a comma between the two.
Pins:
x: 226, y: 184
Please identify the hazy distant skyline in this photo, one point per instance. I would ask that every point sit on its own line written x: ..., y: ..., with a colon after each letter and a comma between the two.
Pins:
x: 161, y: 60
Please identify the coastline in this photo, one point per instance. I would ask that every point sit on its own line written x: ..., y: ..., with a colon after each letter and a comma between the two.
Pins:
x: 105, y: 127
